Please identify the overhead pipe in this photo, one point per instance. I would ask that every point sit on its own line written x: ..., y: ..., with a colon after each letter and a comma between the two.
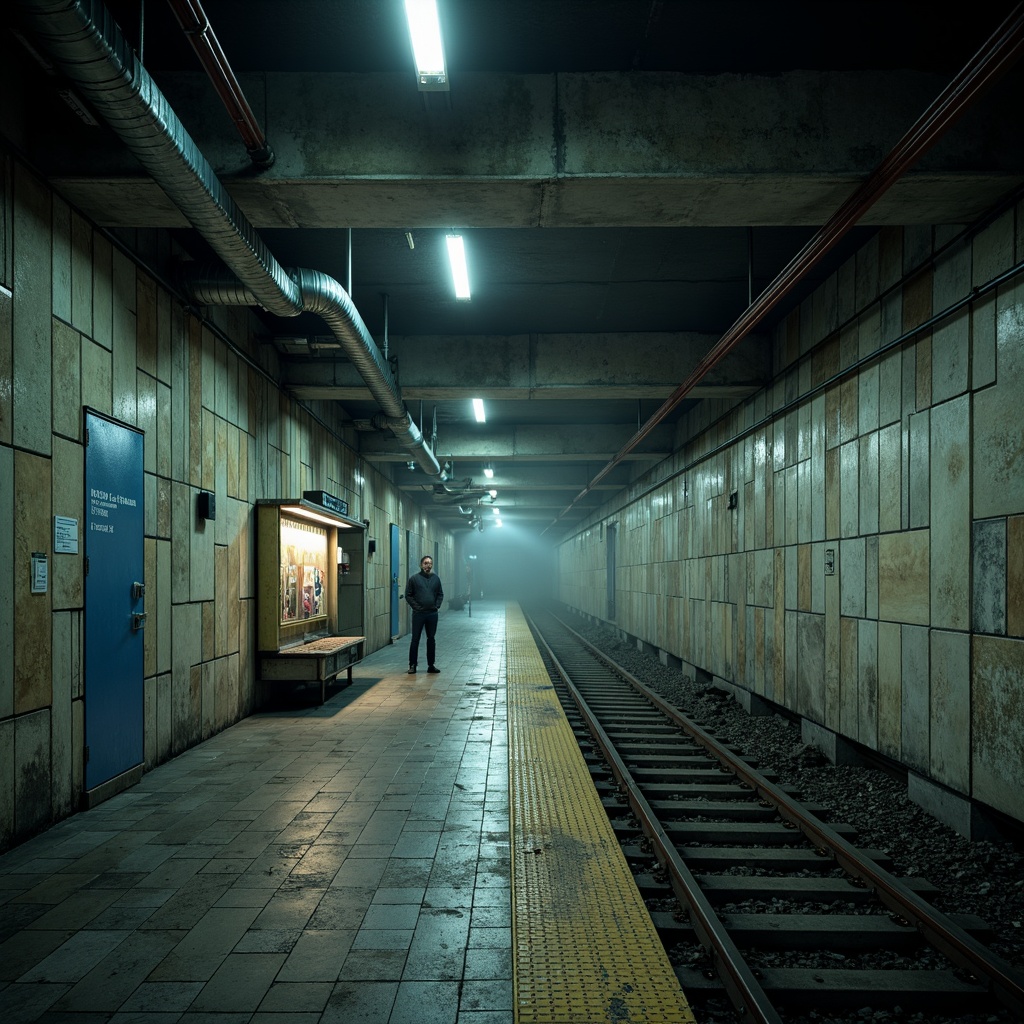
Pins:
x: 1000, y: 51
x: 196, y: 26
x: 85, y: 41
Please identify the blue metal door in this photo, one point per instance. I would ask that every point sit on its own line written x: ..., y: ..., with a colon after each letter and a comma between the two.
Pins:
x: 114, y: 589
x: 394, y: 580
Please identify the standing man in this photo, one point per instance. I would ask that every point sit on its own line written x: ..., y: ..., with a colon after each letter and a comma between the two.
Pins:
x: 424, y: 594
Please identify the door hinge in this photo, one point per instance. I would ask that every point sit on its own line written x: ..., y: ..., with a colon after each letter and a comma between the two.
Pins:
x: 86, y: 565
x: 86, y: 437
x: 86, y: 755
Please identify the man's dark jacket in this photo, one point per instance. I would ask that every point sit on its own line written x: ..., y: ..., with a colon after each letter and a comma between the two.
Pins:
x: 424, y: 592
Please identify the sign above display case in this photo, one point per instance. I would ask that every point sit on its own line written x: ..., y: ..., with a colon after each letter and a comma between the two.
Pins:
x: 327, y: 501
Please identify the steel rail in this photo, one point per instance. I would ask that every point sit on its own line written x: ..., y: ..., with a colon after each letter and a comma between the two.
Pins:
x: 1006, y: 983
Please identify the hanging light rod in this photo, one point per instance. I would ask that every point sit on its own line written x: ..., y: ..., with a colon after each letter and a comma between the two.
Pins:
x: 427, y: 48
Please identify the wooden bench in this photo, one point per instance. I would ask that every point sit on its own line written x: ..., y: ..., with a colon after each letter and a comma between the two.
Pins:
x: 315, y: 661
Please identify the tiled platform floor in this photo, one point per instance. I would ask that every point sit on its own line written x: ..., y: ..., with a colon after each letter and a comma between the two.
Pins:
x: 345, y: 863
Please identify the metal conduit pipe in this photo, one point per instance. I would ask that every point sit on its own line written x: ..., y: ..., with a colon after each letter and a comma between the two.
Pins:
x: 321, y: 294
x: 997, y: 55
x: 196, y: 26
x: 83, y: 38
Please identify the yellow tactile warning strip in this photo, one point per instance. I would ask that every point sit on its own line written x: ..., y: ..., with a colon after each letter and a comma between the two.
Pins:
x: 585, y: 950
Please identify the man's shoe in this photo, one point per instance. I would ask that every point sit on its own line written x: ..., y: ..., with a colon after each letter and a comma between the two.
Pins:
x: 412, y: 670
x: 433, y: 668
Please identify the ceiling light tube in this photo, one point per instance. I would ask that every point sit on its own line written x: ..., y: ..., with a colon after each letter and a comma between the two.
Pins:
x: 488, y: 472
x: 457, y: 259
x: 478, y: 410
x: 428, y: 51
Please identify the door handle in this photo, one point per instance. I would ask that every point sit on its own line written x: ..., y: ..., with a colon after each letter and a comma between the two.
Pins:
x: 138, y: 590
x: 138, y: 620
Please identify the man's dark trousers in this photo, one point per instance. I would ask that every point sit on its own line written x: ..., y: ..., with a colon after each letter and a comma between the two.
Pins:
x: 423, y: 621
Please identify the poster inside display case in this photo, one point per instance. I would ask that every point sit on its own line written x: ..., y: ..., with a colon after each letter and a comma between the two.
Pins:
x: 303, y: 570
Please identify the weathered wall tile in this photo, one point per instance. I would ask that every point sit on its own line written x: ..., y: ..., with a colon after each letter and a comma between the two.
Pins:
x: 904, y: 577
x: 1015, y: 575
x: 950, y: 724
x: 950, y: 513
x: 68, y: 489
x: 890, y: 688
x: 989, y: 576
x: 67, y: 381
x: 998, y: 755
x: 915, y: 710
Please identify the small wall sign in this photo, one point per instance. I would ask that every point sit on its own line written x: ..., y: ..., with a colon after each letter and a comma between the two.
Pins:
x: 39, y: 574
x: 65, y: 535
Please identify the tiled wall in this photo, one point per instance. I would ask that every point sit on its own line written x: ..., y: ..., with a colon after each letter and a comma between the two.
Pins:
x: 83, y: 324
x: 902, y: 463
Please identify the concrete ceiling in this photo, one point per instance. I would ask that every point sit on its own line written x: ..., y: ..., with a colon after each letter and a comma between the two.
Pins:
x: 627, y: 175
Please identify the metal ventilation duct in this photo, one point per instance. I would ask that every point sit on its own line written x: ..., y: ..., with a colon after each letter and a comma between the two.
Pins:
x: 91, y: 51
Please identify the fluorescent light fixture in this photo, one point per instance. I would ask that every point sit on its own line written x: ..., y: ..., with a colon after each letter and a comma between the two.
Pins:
x: 427, y: 49
x: 497, y: 522
x: 493, y: 493
x: 488, y: 472
x: 457, y: 259
x: 496, y: 511
x: 478, y: 410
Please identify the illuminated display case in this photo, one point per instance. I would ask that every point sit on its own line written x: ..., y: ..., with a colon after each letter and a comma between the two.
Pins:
x: 310, y: 562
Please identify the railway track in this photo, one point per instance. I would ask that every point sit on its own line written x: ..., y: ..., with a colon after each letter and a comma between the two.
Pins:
x: 757, y: 896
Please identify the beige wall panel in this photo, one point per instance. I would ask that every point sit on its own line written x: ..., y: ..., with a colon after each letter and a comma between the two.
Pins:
x: 6, y: 367
x: 67, y: 380
x: 32, y: 797
x: 146, y: 421
x: 867, y: 458
x: 81, y: 274
x: 803, y: 577
x: 179, y: 443
x: 163, y: 507
x: 983, y: 341
x: 915, y: 710
x: 7, y: 781
x: 232, y: 468
x: 150, y: 633
x: 998, y: 424
x: 201, y: 571
x: 951, y: 514
x: 890, y: 386
x: 849, y: 484
x: 209, y: 698
x: 923, y: 382
x: 161, y: 599
x: 890, y: 466
x: 102, y: 292
x: 194, y: 406
x: 208, y: 365
x: 852, y: 577
x: 871, y: 577
x: 867, y: 683
x: 998, y: 723
x: 32, y: 618
x: 811, y: 667
x: 60, y: 239
x: 184, y: 710
x: 951, y: 710
x: 164, y: 704
x: 904, y: 577
x: 920, y: 470
x: 209, y: 453
x: 7, y: 591
x: 849, y: 682
x: 31, y: 327
x: 78, y: 739
x: 146, y: 334
x: 182, y: 518
x: 67, y: 578
x: 65, y: 654
x: 149, y: 723
x: 163, y: 430
x: 890, y: 686
x: 225, y: 525
x: 96, y: 377
x: 1015, y: 575
x: 209, y: 634
x: 222, y: 600
x: 165, y: 332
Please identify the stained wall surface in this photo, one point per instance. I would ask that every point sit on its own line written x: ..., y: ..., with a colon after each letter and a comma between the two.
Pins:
x: 871, y: 575
x: 84, y: 325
